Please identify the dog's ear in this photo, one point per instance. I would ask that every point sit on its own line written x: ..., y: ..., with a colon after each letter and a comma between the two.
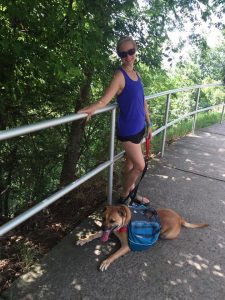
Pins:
x: 122, y: 211
x: 105, y: 208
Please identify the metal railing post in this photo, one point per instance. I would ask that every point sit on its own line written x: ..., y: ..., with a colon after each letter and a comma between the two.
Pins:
x: 196, y: 108
x: 111, y: 155
x: 165, y: 123
x: 222, y: 113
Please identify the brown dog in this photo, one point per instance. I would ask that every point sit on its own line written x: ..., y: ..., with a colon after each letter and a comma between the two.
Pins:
x: 116, y: 219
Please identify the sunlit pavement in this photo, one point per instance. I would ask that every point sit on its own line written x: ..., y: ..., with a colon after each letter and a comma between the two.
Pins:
x: 189, y: 179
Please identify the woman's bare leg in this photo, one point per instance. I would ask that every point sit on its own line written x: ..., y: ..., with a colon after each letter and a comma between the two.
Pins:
x: 128, y: 166
x: 135, y: 158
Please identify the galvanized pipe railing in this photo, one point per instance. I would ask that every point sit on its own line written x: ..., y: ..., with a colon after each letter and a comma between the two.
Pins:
x: 222, y: 114
x: 165, y: 122
x: 196, y: 108
x: 111, y: 155
x: 10, y: 133
x: 193, y: 113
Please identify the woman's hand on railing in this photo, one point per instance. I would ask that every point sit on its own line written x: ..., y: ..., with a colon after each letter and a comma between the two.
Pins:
x: 89, y: 110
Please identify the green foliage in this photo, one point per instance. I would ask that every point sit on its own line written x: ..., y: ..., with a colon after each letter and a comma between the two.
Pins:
x: 50, y: 52
x: 211, y: 61
x: 58, y: 56
x: 185, y: 127
x: 26, y: 254
x: 95, y: 143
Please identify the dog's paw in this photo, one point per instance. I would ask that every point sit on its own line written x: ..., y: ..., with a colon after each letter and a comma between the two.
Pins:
x: 81, y: 242
x: 105, y: 264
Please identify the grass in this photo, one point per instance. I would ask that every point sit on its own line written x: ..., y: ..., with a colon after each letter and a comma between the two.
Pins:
x: 181, y: 129
x: 27, y: 254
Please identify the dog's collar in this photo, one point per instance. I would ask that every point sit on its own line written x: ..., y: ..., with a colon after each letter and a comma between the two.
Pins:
x: 122, y: 229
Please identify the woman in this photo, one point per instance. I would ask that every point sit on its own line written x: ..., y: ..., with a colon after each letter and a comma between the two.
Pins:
x: 133, y: 117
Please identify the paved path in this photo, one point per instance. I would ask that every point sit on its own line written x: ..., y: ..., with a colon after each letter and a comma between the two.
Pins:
x: 191, y: 180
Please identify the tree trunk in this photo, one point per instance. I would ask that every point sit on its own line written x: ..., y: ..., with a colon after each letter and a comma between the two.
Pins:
x: 5, y: 186
x: 72, y: 152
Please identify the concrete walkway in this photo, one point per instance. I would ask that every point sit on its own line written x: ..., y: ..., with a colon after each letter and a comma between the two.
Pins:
x: 191, y: 180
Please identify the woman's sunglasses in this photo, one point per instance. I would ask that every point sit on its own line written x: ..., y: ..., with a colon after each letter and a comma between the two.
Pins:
x: 125, y: 53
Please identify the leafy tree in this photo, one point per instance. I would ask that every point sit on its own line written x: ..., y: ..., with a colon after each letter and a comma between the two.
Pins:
x: 211, y: 61
x: 56, y: 57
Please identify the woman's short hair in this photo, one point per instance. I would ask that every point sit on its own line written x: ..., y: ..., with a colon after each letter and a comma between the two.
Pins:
x: 123, y: 40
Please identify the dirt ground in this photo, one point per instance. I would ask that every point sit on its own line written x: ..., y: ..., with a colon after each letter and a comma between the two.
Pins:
x: 23, y: 246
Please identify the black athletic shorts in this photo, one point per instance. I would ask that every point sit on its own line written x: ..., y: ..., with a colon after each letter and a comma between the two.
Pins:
x: 136, y: 139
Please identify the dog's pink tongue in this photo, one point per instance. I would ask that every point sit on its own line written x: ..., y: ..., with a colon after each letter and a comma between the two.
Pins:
x: 105, y: 236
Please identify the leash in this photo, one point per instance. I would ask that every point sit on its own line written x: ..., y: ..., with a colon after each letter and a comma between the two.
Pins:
x: 133, y: 193
x: 147, y: 148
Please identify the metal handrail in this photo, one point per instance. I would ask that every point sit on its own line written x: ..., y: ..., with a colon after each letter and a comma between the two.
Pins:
x: 194, y: 87
x: 10, y: 133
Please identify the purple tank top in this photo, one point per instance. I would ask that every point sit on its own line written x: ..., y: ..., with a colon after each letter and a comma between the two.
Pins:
x: 131, y: 119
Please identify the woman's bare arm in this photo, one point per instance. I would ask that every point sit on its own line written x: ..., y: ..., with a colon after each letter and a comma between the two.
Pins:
x: 114, y: 88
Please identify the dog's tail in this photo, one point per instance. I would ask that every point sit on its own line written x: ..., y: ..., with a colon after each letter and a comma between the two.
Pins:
x: 190, y: 225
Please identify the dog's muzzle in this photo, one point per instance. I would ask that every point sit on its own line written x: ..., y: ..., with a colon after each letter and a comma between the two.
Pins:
x: 107, y: 231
